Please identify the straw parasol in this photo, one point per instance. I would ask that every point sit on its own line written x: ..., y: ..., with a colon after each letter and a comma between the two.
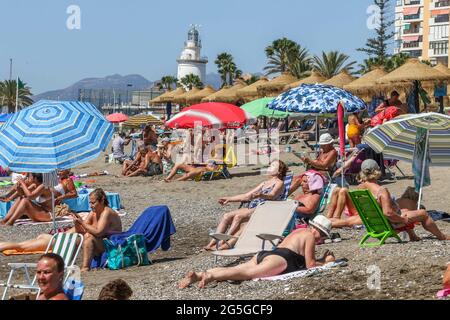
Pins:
x: 250, y: 93
x: 442, y: 68
x: 140, y: 119
x: 230, y: 95
x: 314, y: 78
x: 365, y: 86
x: 157, y: 100
x: 170, y: 97
x: 181, y: 99
x: 212, y: 97
x: 340, y: 80
x: 197, y: 97
x: 276, y: 86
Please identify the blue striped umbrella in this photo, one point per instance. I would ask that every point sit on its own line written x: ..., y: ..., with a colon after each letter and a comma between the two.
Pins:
x: 316, y: 99
x: 51, y: 135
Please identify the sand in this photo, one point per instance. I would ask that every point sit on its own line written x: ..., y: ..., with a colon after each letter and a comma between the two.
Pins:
x: 407, y: 271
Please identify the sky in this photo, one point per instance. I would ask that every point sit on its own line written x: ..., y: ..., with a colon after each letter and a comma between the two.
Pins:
x: 146, y: 36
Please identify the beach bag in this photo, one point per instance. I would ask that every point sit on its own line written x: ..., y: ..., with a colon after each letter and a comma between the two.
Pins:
x: 388, y: 114
x: 132, y: 253
x: 74, y: 287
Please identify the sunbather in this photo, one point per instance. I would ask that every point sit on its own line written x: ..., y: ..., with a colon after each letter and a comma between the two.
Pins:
x: 139, y: 165
x: 16, y: 191
x: 312, y: 187
x: 151, y: 165
x: 271, y: 189
x: 50, y: 275
x: 191, y: 171
x: 101, y: 222
x: 66, y: 188
x: 36, y: 202
x: 296, y: 252
x: 398, y: 216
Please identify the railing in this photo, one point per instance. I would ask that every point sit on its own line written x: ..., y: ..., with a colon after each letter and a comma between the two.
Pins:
x: 412, y: 17
x: 413, y: 44
x: 411, y: 31
x: 440, y: 4
x: 442, y: 18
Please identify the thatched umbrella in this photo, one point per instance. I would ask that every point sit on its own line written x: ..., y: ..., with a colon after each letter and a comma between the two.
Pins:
x: 157, y: 100
x: 212, y: 97
x: 365, y: 87
x: 409, y: 75
x: 181, y: 99
x: 340, y: 80
x: 250, y: 93
x: 314, y: 78
x: 170, y: 97
x: 230, y: 95
x: 276, y: 86
x: 197, y: 97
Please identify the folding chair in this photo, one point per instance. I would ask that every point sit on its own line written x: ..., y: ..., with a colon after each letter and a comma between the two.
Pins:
x: 63, y: 244
x: 263, y: 231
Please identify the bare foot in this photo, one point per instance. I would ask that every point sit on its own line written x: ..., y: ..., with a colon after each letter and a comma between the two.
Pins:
x: 190, y: 278
x: 166, y: 180
x: 205, y: 279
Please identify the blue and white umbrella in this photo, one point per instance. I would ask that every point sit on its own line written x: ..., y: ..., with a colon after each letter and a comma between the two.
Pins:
x: 316, y: 99
x: 52, y: 135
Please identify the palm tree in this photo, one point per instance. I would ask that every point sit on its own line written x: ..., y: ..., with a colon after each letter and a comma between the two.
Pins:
x: 167, y: 82
x: 332, y: 63
x: 191, y: 81
x: 301, y: 68
x: 227, y: 68
x: 251, y: 80
x: 8, y: 95
x: 281, y: 54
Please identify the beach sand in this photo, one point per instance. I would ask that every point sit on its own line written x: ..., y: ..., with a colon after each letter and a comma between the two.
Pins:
x: 408, y: 270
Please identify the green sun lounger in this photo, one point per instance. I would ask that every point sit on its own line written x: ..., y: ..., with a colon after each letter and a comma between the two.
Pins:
x: 374, y: 220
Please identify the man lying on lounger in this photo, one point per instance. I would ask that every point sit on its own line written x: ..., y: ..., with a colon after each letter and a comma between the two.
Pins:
x: 296, y: 252
x: 191, y: 171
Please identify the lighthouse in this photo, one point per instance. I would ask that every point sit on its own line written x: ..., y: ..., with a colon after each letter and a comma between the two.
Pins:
x: 190, y: 60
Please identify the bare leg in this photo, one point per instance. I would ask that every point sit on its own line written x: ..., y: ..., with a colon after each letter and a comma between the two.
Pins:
x: 11, y: 211
x: 38, y: 244
x: 190, y: 278
x: 238, y: 219
x: 138, y: 172
x: 342, y: 200
x: 270, y: 266
x: 224, y: 223
x: 34, y: 212
x: 191, y: 174
x: 349, y: 222
x: 333, y: 202
x: 92, y: 247
x: 179, y: 166
x: 230, y: 243
x: 427, y: 223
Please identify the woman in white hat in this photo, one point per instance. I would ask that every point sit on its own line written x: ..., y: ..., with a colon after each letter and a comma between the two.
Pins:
x: 296, y: 252
x: 399, y: 213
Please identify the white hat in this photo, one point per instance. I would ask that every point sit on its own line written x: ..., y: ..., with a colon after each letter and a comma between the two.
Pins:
x: 325, y: 139
x: 322, y: 223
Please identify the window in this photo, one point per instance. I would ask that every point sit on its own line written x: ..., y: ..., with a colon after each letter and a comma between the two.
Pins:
x: 439, y: 48
x: 439, y: 32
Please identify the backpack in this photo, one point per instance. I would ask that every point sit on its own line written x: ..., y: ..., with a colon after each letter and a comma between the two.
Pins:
x: 132, y: 253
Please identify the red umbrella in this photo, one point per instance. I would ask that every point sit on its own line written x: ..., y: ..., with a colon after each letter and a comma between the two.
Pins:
x: 117, y: 117
x: 341, y: 125
x: 212, y: 115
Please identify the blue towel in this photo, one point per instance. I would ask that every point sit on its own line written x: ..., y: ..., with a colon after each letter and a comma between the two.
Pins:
x: 81, y: 203
x: 155, y: 223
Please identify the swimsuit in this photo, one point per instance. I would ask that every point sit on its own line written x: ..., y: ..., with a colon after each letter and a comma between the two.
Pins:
x: 60, y: 189
x: 294, y: 261
x: 256, y: 202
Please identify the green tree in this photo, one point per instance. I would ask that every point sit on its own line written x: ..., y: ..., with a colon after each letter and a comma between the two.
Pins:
x: 251, y: 80
x: 8, y: 89
x: 378, y: 46
x: 227, y: 68
x: 332, y: 63
x: 167, y: 82
x: 191, y: 81
x: 396, y: 61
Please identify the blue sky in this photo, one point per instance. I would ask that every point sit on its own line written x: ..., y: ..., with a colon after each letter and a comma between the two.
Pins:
x: 146, y: 36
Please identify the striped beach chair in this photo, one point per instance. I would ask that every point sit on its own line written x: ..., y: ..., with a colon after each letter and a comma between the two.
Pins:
x: 67, y: 245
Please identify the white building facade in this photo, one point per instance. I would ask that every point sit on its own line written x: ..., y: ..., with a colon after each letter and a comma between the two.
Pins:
x: 190, y: 60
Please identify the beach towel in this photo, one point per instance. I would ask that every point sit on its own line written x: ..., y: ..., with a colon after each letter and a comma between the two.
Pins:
x: 21, y: 253
x: 155, y: 223
x: 305, y: 273
x: 81, y: 203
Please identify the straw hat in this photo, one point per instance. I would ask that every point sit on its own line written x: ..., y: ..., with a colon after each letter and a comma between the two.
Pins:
x: 276, y: 86
x: 197, y: 97
x: 340, y: 80
x: 314, y: 78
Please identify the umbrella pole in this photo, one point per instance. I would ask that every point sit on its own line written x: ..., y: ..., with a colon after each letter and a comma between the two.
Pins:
x: 53, y: 211
x: 422, y: 176
x: 317, y: 136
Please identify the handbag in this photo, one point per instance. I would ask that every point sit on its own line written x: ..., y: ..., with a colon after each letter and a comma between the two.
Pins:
x: 132, y: 253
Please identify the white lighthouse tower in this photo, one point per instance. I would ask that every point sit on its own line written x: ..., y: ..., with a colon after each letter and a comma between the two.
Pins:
x: 190, y: 60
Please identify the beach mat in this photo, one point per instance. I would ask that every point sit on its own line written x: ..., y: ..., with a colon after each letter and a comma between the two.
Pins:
x: 305, y: 273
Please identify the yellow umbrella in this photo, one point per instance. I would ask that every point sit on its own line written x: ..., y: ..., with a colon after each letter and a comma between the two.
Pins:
x: 197, y: 97
x: 276, y: 86
x: 314, y: 78
x: 340, y: 80
x: 250, y: 93
x: 140, y: 119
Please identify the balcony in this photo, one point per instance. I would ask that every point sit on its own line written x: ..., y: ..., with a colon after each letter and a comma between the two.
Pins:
x: 413, y: 17
x: 441, y: 19
x: 442, y: 3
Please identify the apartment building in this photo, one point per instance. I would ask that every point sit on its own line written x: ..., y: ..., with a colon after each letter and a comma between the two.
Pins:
x: 422, y: 29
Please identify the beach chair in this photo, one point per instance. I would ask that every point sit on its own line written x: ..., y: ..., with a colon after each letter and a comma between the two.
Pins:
x: 228, y: 161
x: 263, y: 231
x: 374, y: 220
x: 67, y: 245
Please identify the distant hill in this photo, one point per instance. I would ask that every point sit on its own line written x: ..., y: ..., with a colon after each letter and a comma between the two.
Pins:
x: 116, y: 82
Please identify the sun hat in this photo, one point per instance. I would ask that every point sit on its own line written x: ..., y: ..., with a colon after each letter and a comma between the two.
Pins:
x: 315, y: 180
x: 369, y: 165
x: 322, y: 223
x: 325, y: 139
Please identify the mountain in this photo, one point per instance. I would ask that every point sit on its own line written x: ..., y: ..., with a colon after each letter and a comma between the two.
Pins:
x: 107, y: 84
